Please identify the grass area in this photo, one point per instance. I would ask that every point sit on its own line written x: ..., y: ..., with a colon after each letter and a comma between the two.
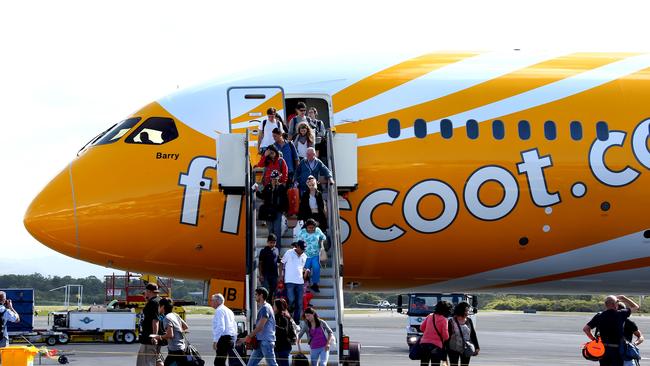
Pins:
x: 198, y: 310
x: 43, y: 310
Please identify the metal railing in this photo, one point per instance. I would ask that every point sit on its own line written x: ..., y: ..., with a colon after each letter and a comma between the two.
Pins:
x: 251, y: 238
x: 335, y: 237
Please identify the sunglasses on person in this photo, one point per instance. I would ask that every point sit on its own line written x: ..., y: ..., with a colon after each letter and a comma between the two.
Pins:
x: 302, y: 110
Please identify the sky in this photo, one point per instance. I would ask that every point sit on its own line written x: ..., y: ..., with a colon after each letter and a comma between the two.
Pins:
x: 71, y: 69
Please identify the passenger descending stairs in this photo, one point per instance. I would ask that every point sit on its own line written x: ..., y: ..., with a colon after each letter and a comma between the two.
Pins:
x: 328, y: 303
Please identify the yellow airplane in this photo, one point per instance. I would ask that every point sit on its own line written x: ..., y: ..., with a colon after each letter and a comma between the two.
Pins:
x: 501, y: 171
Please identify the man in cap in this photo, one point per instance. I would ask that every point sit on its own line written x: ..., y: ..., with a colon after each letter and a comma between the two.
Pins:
x: 610, y: 326
x: 293, y: 265
x: 149, y: 353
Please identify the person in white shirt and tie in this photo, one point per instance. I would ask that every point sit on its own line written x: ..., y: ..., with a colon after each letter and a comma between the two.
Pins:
x: 224, y: 330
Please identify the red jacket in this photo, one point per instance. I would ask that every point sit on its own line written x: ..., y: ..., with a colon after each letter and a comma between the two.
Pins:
x: 429, y: 334
x: 278, y: 164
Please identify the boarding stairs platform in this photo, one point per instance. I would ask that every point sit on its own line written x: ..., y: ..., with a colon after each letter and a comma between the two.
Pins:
x: 329, y: 301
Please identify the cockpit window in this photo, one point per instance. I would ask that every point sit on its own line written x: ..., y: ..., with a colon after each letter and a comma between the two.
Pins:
x: 117, y: 131
x: 154, y: 131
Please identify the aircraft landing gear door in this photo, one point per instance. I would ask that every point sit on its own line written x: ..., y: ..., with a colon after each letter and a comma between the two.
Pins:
x: 247, y: 106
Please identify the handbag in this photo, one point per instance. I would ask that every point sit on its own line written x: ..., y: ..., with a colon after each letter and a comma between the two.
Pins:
x: 323, y: 255
x: 293, y: 197
x: 253, y: 343
x: 630, y: 351
x: 594, y: 350
x: 415, y: 351
x: 468, y: 347
x: 192, y: 355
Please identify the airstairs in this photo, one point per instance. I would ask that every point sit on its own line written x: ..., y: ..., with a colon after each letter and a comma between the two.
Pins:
x: 329, y: 301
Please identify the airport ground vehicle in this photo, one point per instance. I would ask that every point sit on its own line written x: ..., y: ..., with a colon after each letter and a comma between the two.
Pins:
x: 100, y: 325
x: 419, y: 305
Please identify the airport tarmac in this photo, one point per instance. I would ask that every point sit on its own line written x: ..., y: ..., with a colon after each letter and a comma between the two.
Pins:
x: 506, y: 339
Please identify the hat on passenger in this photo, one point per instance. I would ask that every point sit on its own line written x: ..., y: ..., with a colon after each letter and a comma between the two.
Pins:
x: 275, y: 174
x: 152, y: 287
x: 300, y: 244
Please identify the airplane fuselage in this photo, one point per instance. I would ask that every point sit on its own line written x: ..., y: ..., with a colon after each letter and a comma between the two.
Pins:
x: 484, y: 172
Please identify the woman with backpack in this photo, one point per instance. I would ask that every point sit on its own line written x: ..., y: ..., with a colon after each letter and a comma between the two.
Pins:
x: 285, y: 332
x: 174, y: 328
x: 463, y: 343
x: 319, y: 337
x: 435, y: 333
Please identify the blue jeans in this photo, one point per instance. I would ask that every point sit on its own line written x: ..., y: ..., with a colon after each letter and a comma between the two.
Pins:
x: 275, y: 227
x: 265, y: 351
x: 282, y: 357
x: 322, y: 353
x: 294, y: 293
x: 313, y: 264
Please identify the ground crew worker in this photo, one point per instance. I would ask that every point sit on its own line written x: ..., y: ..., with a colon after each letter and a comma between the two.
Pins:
x: 610, y: 326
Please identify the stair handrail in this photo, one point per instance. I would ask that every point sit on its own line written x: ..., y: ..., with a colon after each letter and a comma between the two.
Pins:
x: 335, y: 237
x: 251, y: 237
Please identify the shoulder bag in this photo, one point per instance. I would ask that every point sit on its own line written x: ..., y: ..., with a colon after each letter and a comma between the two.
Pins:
x: 438, y: 352
x: 192, y: 355
x: 468, y: 346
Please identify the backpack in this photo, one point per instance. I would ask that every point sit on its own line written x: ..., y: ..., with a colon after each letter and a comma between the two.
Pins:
x: 283, y: 128
x: 294, y: 121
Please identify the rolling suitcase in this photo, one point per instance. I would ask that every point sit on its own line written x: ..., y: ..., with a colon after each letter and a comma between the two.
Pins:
x: 299, y: 360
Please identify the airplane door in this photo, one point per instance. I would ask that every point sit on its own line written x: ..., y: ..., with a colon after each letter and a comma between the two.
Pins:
x: 247, y: 107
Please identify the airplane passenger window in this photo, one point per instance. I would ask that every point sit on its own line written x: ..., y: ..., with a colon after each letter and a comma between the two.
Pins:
x: 524, y: 130
x: 446, y: 129
x: 117, y: 131
x: 394, y: 128
x: 420, y: 128
x: 154, y: 131
x: 576, y: 130
x: 550, y: 131
x: 472, y: 129
x: 602, y: 131
x: 498, y: 130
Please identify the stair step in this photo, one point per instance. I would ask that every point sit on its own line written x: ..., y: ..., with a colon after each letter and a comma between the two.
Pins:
x: 263, y: 232
x: 323, y: 303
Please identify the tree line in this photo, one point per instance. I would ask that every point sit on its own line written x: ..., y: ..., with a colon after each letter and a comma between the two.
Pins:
x: 93, y: 288
x: 94, y: 293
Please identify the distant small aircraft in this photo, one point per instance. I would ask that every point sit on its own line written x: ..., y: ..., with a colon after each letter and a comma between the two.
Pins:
x: 382, y: 304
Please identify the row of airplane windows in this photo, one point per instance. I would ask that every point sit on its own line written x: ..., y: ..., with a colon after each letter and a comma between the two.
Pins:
x: 498, y: 129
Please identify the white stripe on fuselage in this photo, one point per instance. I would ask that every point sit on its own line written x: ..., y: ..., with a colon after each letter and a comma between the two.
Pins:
x: 627, y: 247
x: 533, y: 98
x: 441, y: 82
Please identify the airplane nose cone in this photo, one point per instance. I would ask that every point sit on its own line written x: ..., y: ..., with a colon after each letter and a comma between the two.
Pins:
x: 50, y: 217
